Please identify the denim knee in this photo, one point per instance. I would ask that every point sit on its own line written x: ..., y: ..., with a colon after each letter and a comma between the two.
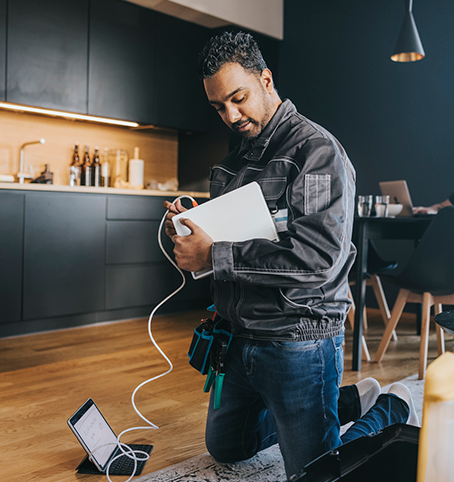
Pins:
x: 222, y: 453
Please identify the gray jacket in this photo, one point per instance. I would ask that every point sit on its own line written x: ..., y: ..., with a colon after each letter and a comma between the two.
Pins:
x: 296, y: 288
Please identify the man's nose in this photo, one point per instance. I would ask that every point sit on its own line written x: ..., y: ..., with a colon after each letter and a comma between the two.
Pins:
x: 233, y: 114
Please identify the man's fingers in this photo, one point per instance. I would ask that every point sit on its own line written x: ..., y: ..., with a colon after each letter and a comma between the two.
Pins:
x: 180, y: 206
x: 190, y: 224
x: 174, y: 208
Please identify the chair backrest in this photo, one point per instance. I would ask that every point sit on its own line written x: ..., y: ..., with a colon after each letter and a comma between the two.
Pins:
x: 431, y: 268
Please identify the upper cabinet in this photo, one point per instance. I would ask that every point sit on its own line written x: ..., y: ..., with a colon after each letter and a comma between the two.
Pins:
x: 2, y: 48
x: 180, y: 101
x: 121, y: 61
x: 142, y: 67
x: 47, y: 53
x: 108, y: 58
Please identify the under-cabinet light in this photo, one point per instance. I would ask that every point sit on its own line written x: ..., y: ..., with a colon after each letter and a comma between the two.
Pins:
x: 68, y: 115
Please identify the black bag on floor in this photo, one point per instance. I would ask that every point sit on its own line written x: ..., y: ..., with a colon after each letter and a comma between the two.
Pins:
x: 391, y: 456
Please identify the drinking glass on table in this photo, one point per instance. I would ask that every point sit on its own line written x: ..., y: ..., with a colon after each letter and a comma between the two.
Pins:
x: 365, y: 206
x: 381, y: 206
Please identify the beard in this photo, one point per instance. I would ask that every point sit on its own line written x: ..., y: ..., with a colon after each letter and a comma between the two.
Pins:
x: 257, y: 126
x: 252, y: 133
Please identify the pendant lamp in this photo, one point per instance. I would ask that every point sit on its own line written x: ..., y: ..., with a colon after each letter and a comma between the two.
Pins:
x: 408, y: 47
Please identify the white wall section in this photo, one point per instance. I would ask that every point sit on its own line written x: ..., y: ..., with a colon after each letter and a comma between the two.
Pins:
x: 263, y: 16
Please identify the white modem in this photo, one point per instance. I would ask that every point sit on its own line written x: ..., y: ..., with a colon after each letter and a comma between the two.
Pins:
x: 239, y: 215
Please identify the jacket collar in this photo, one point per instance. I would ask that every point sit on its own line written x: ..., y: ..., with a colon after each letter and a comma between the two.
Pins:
x: 252, y: 150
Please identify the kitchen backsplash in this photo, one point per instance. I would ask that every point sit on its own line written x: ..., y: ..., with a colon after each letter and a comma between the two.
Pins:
x: 158, y: 148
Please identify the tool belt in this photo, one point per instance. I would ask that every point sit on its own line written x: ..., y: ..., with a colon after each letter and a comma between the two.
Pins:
x: 208, y: 351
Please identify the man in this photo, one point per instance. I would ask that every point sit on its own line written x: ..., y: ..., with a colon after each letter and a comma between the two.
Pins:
x: 286, y: 301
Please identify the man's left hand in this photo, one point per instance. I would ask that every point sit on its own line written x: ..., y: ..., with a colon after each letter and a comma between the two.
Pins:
x: 193, y: 252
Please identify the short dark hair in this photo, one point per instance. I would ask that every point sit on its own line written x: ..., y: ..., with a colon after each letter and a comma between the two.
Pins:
x: 238, y: 47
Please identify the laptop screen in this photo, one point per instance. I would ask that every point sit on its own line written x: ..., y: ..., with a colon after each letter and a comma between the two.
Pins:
x: 398, y: 194
x: 94, y: 433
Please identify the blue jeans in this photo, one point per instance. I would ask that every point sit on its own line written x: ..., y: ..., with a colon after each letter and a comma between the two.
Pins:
x: 286, y: 392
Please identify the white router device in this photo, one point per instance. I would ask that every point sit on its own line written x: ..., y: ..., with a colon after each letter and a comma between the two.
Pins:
x: 239, y: 215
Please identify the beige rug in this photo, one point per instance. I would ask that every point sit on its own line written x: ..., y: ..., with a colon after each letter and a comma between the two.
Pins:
x: 266, y: 466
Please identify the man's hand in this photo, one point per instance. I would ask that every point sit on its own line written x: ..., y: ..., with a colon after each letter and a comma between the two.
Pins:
x: 193, y: 252
x: 173, y: 210
x: 425, y: 210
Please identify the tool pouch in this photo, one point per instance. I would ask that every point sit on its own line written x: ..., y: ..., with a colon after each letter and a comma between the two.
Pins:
x: 201, y: 344
x: 206, y: 342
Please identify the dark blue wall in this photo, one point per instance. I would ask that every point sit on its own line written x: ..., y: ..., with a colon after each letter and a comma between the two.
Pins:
x: 394, y: 119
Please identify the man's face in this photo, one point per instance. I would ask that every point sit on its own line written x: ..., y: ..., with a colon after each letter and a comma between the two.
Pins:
x: 245, y: 101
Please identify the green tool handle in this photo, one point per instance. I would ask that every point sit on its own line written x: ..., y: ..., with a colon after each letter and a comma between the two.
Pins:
x: 218, y: 383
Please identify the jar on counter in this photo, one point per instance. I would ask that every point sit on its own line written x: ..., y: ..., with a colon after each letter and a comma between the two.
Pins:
x: 118, y: 160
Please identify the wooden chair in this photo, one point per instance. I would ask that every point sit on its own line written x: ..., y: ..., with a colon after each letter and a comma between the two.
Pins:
x: 375, y: 264
x: 428, y: 278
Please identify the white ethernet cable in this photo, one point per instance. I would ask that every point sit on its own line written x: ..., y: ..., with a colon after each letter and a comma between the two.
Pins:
x: 124, y: 449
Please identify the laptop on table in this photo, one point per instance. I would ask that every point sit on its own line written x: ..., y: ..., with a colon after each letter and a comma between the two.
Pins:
x: 98, y: 439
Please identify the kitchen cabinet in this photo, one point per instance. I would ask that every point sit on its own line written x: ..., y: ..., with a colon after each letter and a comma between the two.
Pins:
x: 121, y: 61
x: 11, y: 244
x: 142, y: 67
x: 108, y: 58
x: 181, y: 101
x: 77, y: 258
x: 137, y: 272
x: 64, y: 244
x: 2, y: 48
x: 47, y: 48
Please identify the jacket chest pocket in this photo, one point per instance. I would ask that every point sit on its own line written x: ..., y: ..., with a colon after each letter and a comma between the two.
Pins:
x: 219, y: 178
x: 273, y: 189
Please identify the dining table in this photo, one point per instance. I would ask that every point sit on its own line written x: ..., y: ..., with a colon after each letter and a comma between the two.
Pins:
x: 365, y: 229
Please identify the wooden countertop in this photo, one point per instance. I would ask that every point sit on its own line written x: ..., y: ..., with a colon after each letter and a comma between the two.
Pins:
x: 99, y: 190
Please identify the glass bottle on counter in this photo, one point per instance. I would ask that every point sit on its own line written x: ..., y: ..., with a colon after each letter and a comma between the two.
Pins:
x: 105, y: 169
x: 96, y: 169
x: 86, y: 173
x: 74, y: 168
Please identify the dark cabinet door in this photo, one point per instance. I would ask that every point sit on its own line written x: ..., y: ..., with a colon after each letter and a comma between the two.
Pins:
x: 132, y: 242
x: 2, y: 48
x: 148, y: 285
x: 64, y: 246
x: 47, y: 52
x: 121, y: 61
x: 181, y: 102
x: 11, y: 242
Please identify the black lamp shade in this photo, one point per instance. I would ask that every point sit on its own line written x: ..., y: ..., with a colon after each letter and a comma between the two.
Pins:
x: 408, y: 47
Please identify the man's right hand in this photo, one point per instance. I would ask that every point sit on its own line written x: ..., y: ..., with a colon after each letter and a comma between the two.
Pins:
x: 173, y: 209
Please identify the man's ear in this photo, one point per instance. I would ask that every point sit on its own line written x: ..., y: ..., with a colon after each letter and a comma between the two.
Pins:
x: 266, y: 78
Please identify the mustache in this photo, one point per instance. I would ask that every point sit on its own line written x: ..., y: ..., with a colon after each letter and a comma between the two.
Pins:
x: 239, y: 124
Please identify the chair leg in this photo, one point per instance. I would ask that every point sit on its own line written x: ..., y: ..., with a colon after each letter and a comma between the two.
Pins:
x: 392, y: 323
x: 351, y: 318
x: 440, y: 332
x: 381, y: 299
x: 425, y: 322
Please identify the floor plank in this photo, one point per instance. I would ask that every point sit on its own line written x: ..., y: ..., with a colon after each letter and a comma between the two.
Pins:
x: 45, y: 377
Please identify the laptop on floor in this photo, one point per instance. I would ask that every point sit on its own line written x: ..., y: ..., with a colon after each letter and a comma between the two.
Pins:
x: 98, y: 439
x: 399, y: 193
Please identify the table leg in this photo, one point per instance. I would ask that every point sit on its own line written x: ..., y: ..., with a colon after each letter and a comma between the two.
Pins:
x: 360, y: 293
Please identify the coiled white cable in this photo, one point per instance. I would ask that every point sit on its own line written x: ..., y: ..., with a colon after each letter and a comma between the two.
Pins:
x: 125, y: 449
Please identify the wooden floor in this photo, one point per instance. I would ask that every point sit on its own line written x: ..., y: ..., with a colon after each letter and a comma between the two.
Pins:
x: 44, y: 378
